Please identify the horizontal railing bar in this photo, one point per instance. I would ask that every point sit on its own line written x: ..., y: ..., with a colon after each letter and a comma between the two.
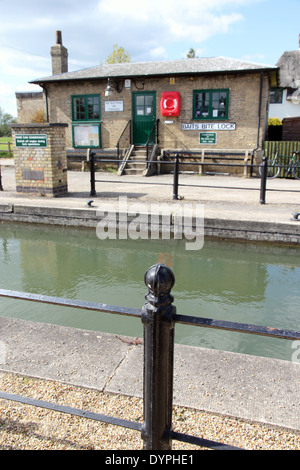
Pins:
x: 201, y: 442
x: 237, y: 327
x: 70, y: 410
x: 97, y: 307
x: 163, y: 162
x: 183, y: 319
x: 133, y: 182
x: 157, y: 183
x: 111, y: 420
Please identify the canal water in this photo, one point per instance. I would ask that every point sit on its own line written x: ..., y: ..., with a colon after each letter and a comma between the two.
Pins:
x: 241, y: 282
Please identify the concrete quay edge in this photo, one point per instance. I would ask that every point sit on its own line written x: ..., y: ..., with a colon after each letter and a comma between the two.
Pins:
x: 255, y: 230
x: 251, y: 388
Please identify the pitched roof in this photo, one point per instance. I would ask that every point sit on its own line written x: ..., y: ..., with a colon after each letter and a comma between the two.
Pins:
x: 159, y: 68
x: 289, y: 64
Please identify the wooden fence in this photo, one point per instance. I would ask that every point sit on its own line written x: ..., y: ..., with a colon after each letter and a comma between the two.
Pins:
x: 8, y: 149
x: 285, y: 148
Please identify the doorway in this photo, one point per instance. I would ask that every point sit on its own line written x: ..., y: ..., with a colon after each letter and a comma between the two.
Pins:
x: 143, y: 115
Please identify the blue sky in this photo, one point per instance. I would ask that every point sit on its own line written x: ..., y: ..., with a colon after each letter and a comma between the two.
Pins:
x: 254, y: 30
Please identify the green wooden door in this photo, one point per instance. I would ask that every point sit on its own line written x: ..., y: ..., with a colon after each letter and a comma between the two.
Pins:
x: 143, y: 115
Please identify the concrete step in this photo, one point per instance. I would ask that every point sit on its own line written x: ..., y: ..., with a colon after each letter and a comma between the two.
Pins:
x: 132, y: 171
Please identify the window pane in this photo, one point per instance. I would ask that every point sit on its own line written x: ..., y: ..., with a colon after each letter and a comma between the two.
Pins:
x: 79, y: 109
x: 202, y: 104
x: 140, y: 110
x: 276, y: 96
x: 219, y: 104
x: 93, y: 107
x: 140, y: 100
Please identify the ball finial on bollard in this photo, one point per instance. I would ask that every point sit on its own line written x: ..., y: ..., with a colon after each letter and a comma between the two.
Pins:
x: 159, y: 279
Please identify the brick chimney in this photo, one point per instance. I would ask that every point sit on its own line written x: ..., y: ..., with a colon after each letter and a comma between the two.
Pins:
x: 59, y: 56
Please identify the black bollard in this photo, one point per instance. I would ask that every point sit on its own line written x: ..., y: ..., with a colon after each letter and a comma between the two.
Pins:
x: 175, y: 179
x: 157, y: 318
x: 92, y: 173
x: 263, y: 180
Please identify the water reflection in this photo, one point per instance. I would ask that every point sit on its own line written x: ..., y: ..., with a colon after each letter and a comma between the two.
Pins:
x: 229, y: 281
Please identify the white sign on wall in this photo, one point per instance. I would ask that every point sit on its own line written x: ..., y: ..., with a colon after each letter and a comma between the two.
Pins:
x: 209, y: 126
x: 114, y: 106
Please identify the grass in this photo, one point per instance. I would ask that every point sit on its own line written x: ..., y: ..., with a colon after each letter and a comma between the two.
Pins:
x: 4, y: 148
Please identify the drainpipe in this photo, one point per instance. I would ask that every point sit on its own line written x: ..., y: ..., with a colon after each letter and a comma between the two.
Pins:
x: 259, y: 109
x: 259, y: 120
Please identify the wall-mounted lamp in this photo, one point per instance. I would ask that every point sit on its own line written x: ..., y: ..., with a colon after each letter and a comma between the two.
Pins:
x: 112, y: 86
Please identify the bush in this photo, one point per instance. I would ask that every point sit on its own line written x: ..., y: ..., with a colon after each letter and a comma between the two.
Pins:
x: 274, y: 122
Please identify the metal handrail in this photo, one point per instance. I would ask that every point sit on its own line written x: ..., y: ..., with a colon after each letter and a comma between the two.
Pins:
x: 123, y: 133
x: 156, y: 140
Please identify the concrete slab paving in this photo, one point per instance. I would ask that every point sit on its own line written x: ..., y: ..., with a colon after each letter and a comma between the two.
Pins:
x: 238, y: 385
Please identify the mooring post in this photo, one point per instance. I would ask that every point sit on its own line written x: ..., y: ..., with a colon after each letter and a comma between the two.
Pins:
x: 1, y: 187
x: 92, y: 173
x: 158, y: 320
x: 263, y: 180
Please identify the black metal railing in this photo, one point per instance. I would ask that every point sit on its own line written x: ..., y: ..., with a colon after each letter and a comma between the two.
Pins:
x: 159, y: 317
x: 152, y: 139
x: 125, y: 139
x: 178, y: 161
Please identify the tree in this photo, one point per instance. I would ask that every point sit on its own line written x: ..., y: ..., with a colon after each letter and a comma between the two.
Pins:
x: 118, y: 56
x: 5, y: 121
x: 191, y: 54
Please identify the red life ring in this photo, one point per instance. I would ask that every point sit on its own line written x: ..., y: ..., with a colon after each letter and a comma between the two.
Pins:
x: 170, y: 103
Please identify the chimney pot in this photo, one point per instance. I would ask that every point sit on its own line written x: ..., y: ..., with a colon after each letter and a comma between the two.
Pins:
x: 58, y: 37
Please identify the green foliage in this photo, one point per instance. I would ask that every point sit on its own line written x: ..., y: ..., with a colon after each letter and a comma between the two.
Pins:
x: 118, y: 56
x: 191, y: 54
x: 5, y: 120
x: 274, y: 122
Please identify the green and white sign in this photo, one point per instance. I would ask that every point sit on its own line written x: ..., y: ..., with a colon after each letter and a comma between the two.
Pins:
x: 208, y: 138
x: 31, y: 140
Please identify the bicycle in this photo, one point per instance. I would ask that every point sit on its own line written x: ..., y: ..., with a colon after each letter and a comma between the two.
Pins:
x: 275, y: 166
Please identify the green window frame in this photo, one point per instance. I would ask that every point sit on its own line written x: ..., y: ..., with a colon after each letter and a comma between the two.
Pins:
x: 86, y: 121
x: 86, y: 108
x: 211, y: 104
x: 276, y: 95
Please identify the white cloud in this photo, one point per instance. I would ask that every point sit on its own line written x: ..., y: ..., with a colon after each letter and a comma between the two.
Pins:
x: 172, y: 20
x: 158, y: 52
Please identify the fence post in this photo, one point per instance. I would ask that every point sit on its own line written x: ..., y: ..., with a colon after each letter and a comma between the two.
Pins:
x: 157, y: 318
x: 175, y: 179
x: 1, y: 187
x: 263, y: 180
x: 92, y: 173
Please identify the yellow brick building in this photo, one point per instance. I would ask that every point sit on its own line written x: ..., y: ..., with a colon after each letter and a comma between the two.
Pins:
x: 192, y: 104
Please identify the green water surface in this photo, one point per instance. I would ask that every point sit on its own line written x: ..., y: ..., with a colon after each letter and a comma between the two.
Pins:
x: 241, y: 282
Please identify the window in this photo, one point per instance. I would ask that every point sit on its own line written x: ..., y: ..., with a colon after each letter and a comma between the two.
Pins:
x: 276, y: 96
x: 210, y: 104
x: 86, y: 108
x: 144, y: 105
x: 86, y: 121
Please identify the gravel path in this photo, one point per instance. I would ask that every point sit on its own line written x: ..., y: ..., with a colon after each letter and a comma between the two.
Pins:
x: 24, y: 427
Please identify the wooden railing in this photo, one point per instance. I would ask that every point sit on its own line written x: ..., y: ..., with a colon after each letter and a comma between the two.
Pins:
x: 8, y: 150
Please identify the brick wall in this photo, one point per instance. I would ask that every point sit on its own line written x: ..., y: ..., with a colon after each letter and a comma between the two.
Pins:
x: 243, y: 109
x: 31, y: 106
x: 40, y: 170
